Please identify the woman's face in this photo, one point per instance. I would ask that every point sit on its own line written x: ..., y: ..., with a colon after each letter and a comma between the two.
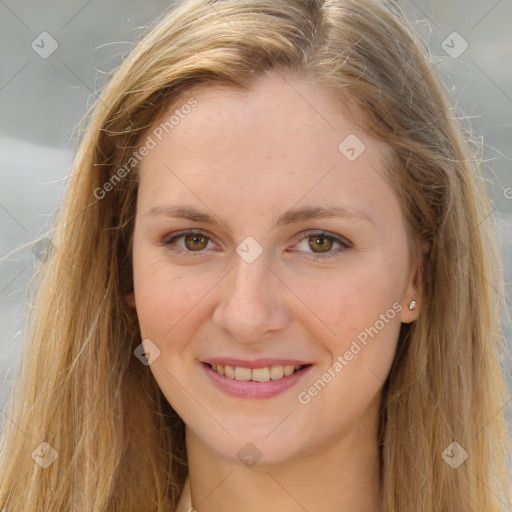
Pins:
x: 268, y: 281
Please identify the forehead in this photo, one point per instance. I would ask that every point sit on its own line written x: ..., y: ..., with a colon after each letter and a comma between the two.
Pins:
x: 276, y: 144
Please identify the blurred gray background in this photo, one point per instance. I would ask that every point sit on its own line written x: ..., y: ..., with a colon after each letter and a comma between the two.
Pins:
x: 55, y: 56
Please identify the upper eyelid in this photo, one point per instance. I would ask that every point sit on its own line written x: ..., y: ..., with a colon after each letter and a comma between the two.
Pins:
x: 179, y: 234
x: 340, y: 238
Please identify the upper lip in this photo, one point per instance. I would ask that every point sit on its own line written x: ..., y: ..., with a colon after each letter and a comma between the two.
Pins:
x: 255, y: 363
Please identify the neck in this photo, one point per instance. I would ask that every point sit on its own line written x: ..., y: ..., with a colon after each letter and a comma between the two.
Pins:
x: 341, y: 475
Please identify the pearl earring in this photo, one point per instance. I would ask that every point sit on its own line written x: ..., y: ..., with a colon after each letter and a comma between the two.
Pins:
x: 412, y: 305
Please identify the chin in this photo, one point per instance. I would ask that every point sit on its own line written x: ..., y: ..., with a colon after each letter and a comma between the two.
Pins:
x: 263, y: 444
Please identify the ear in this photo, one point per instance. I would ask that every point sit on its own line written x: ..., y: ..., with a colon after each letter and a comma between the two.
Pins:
x: 414, y: 288
x: 130, y: 300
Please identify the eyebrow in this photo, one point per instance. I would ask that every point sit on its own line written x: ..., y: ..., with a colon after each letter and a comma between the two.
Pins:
x: 291, y: 216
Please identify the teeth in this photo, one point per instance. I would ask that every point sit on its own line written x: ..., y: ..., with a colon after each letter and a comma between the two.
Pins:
x: 256, y: 374
x: 276, y: 372
x: 261, y: 374
x: 288, y: 370
x: 242, y: 373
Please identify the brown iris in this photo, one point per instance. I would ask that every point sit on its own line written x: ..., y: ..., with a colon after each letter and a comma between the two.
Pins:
x: 320, y: 242
x: 195, y: 241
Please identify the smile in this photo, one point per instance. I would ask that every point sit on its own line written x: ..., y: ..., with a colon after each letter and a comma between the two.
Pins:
x: 263, y: 374
x: 264, y: 379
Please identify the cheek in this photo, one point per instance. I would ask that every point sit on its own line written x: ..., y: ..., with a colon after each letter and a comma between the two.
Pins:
x: 350, y: 304
x: 344, y: 303
x: 163, y: 299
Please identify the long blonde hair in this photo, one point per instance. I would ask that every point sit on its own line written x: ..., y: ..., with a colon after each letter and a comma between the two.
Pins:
x: 80, y: 388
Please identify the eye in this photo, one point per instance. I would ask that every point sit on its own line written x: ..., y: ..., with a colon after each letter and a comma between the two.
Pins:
x: 322, y: 244
x: 187, y: 241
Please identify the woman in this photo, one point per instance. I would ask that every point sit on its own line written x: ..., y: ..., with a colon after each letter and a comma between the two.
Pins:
x: 271, y: 284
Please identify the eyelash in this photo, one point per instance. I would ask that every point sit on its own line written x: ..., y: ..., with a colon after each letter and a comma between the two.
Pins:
x: 169, y: 240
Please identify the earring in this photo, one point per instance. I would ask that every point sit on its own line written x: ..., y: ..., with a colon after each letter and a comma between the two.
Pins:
x: 412, y: 305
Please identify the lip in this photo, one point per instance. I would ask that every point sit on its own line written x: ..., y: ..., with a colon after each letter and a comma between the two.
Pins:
x: 255, y: 363
x: 251, y: 389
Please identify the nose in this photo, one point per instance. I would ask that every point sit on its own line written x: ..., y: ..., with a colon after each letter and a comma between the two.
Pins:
x: 252, y: 305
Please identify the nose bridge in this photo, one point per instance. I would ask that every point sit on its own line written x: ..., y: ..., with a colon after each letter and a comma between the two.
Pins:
x: 250, y: 283
x: 251, y: 301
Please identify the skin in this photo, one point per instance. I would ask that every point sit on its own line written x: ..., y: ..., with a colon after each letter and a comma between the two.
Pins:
x: 246, y: 157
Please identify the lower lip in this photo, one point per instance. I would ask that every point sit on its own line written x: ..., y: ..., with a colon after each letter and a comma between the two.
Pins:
x: 252, y: 389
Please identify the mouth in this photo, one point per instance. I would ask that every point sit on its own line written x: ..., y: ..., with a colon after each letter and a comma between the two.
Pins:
x: 255, y: 379
x: 263, y: 374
